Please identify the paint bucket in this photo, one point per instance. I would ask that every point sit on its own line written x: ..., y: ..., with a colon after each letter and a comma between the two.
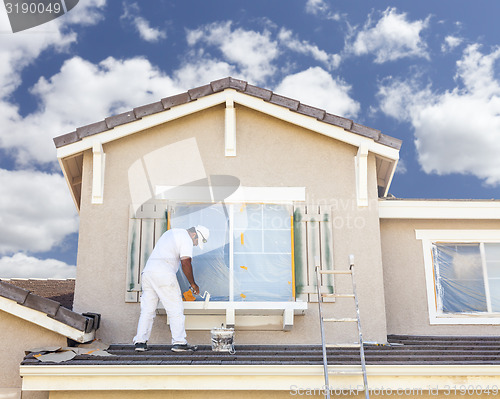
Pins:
x: 223, y: 339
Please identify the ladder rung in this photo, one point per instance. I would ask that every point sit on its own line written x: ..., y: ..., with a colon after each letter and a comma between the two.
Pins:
x: 337, y: 295
x: 346, y: 373
x: 352, y: 345
x: 335, y: 271
x: 341, y: 320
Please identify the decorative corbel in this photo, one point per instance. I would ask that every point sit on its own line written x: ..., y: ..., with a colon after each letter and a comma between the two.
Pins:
x: 98, y: 164
x: 361, y: 166
x: 230, y: 126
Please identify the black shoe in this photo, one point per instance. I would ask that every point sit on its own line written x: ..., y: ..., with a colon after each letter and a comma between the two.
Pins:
x: 184, y: 348
x: 141, y: 346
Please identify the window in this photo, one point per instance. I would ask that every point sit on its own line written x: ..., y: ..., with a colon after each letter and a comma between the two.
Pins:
x: 248, y: 257
x: 463, y: 275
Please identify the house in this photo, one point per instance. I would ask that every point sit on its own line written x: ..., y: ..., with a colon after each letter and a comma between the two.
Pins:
x: 284, y: 187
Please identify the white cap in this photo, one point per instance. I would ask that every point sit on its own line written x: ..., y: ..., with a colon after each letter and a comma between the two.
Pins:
x: 203, y: 234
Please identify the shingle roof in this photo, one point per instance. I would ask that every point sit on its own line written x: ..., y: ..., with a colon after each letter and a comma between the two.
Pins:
x: 59, y: 290
x: 50, y: 307
x: 400, y: 350
x: 215, y: 87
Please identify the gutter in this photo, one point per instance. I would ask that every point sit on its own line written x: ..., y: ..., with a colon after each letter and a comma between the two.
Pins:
x: 425, y: 378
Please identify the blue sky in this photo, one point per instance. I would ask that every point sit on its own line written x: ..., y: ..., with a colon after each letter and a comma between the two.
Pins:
x: 426, y: 72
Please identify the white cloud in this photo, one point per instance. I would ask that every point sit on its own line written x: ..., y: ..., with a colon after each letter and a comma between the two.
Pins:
x: 456, y: 131
x: 321, y: 8
x: 23, y: 266
x: 36, y: 211
x: 81, y: 93
x: 451, y: 42
x: 253, y: 52
x: 391, y: 38
x: 401, y: 167
x: 146, y: 32
x: 316, y: 87
x: 20, y: 49
x: 331, y: 61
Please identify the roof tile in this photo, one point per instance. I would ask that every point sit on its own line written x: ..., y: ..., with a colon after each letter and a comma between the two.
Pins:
x: 148, y: 109
x: 259, y: 92
x: 284, y: 101
x: 71, y: 318
x: 201, y: 91
x: 338, y: 121
x: 67, y: 138
x: 91, y: 129
x: 365, y: 131
x: 228, y: 83
x: 120, y: 119
x: 10, y: 291
x: 311, y: 111
x: 178, y: 99
x: 390, y: 141
x: 42, y: 304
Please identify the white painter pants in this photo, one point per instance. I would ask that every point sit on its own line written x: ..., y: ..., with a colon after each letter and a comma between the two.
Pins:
x: 164, y: 287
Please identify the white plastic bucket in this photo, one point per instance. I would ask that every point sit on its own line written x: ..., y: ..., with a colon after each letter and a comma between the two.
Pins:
x: 223, y: 339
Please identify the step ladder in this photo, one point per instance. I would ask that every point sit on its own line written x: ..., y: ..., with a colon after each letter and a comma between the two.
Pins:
x: 356, y: 320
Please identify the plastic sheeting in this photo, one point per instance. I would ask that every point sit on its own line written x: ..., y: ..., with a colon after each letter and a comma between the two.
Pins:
x: 249, y: 254
x: 467, y: 277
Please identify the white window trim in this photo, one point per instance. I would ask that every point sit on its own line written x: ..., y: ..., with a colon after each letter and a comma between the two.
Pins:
x: 462, y: 236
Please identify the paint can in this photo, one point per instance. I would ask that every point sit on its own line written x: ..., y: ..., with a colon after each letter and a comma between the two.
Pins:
x: 223, y: 339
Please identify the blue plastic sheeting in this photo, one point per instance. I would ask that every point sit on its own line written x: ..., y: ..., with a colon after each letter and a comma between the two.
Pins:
x: 249, y: 254
x: 467, y: 281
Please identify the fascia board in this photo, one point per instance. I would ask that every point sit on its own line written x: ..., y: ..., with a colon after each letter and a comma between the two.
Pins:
x: 250, y: 377
x: 407, y: 209
x: 202, y: 103
x: 41, y: 319
x: 146, y: 122
x: 335, y: 132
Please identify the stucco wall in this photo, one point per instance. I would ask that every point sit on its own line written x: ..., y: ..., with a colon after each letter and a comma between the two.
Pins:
x: 404, y: 278
x: 17, y: 336
x: 269, y: 153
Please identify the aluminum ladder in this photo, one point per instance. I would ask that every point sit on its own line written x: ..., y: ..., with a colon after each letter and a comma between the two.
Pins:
x: 357, y: 320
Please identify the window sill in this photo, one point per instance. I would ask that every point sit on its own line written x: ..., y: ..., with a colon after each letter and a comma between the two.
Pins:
x: 241, y: 315
x: 466, y: 318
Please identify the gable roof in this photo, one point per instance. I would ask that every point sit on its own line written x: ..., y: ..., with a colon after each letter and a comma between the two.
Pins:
x: 70, y: 146
x: 215, y: 87
x: 47, y: 313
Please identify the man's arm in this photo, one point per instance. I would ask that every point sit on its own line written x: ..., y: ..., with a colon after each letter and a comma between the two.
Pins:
x: 187, y: 269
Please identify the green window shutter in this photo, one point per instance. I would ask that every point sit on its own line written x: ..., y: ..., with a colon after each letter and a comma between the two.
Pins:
x: 146, y: 225
x: 313, y: 246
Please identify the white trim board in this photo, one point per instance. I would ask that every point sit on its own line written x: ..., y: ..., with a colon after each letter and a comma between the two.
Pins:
x: 250, y: 377
x: 431, y: 209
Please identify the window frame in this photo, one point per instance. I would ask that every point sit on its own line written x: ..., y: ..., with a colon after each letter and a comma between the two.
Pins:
x: 233, y: 252
x: 430, y: 237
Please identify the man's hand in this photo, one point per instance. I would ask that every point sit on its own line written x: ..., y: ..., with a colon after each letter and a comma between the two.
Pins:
x: 195, y: 289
